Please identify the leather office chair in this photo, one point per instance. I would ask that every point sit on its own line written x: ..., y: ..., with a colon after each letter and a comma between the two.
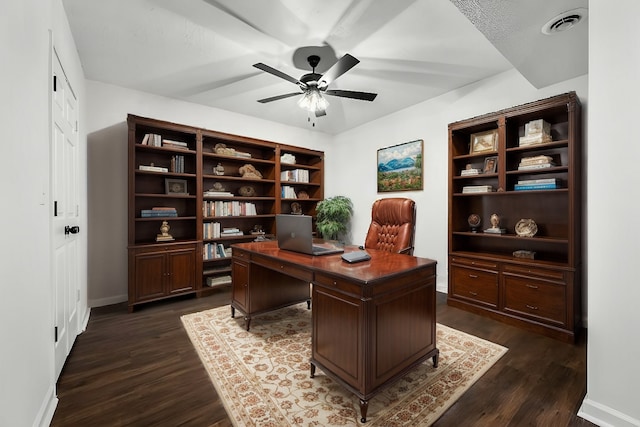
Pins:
x: 393, y: 225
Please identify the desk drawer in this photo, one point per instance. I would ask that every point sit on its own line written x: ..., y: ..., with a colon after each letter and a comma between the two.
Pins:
x: 537, y: 299
x: 291, y: 270
x: 477, y: 285
x: 337, y: 283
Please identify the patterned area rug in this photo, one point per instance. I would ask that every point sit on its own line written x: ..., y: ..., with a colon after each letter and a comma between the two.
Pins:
x: 262, y: 376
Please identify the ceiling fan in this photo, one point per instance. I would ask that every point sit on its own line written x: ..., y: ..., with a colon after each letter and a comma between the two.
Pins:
x: 314, y: 85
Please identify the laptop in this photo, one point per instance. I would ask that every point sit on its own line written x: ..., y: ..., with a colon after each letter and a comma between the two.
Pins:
x: 294, y: 233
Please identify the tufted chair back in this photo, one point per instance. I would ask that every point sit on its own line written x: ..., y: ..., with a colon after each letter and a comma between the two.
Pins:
x: 393, y: 225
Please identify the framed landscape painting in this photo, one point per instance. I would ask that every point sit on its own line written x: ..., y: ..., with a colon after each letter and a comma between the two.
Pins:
x: 400, y: 167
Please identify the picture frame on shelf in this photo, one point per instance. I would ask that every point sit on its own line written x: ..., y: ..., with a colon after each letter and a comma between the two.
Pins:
x: 400, y: 167
x: 490, y: 165
x: 175, y: 186
x: 484, y: 141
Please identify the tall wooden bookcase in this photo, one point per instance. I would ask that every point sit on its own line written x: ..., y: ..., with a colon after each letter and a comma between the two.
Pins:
x: 487, y: 274
x: 192, y: 179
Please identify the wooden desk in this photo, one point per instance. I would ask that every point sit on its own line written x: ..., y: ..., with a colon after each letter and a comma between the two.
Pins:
x: 372, y: 321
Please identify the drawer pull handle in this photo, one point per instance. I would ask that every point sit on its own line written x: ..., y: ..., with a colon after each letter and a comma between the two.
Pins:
x: 473, y: 276
x: 475, y: 294
x: 532, y: 287
x: 531, y: 307
x: 335, y: 283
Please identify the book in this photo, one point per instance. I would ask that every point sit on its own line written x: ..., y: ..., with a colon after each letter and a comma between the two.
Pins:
x: 176, y: 144
x: 536, y: 160
x: 219, y: 280
x: 477, y: 189
x: 520, y: 187
x: 150, y: 213
x: 535, y: 166
x: 152, y: 168
x: 538, y: 181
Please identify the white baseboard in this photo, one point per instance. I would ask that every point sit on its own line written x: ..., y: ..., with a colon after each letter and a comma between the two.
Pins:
x: 47, y: 409
x: 108, y: 301
x: 605, y: 416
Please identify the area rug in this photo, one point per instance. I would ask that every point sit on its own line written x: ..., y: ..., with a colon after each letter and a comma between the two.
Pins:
x: 262, y: 375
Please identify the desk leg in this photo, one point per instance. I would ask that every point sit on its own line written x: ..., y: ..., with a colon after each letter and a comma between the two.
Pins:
x: 364, y: 405
x: 233, y: 312
x: 313, y: 370
x: 435, y: 358
x: 247, y: 320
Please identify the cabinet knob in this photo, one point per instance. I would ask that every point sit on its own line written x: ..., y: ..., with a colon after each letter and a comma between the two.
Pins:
x: 475, y: 294
x: 532, y: 287
x: 473, y: 276
x: 531, y: 307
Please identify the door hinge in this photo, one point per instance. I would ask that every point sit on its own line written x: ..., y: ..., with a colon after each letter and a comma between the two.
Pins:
x: 55, y: 83
x: 55, y: 333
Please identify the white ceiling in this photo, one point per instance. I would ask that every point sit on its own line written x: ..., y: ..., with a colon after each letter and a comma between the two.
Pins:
x: 202, y: 51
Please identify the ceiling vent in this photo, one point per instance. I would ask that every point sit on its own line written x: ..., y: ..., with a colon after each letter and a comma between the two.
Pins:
x: 564, y: 21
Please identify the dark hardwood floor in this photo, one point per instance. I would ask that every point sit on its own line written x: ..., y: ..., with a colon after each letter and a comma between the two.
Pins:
x: 139, y: 369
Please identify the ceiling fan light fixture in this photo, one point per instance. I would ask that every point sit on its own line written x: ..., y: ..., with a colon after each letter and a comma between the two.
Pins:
x: 313, y: 101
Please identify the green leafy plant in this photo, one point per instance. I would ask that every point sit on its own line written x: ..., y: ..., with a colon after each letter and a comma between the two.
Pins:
x: 333, y: 215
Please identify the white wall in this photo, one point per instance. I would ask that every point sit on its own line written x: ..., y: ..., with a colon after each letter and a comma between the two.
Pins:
x: 107, y: 169
x: 427, y: 121
x: 613, y: 349
x: 27, y: 394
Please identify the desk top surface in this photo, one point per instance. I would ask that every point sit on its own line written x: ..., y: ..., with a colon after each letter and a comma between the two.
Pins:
x: 381, y: 265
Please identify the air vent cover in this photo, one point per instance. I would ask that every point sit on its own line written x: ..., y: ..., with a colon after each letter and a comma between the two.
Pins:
x: 564, y: 21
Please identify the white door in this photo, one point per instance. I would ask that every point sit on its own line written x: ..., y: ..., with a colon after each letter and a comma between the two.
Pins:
x: 65, y: 208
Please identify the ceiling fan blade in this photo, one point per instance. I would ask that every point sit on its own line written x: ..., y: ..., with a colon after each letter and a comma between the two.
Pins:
x: 271, y: 70
x: 275, y: 98
x: 343, y: 65
x: 364, y: 96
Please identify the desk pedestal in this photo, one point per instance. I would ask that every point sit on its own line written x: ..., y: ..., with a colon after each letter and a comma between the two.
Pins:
x: 366, y: 337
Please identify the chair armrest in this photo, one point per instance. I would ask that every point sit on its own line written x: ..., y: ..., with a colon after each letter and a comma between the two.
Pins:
x: 408, y: 251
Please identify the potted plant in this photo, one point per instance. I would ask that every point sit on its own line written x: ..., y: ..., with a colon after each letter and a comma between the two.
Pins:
x: 333, y: 215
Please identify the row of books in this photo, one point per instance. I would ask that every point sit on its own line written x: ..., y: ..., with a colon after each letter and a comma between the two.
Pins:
x: 295, y: 175
x: 158, y: 212
x: 155, y: 140
x: 287, y: 192
x: 537, y: 184
x: 177, y: 164
x: 215, y: 250
x: 228, y: 208
x: 212, y: 230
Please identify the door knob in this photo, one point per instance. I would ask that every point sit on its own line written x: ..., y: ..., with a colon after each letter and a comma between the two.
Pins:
x: 73, y: 230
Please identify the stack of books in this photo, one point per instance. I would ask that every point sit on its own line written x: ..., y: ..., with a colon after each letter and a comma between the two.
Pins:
x: 231, y: 231
x: 175, y: 144
x: 153, y: 168
x: 537, y: 184
x: 158, y: 212
x: 468, y: 172
x: 214, y: 193
x: 536, y: 132
x: 477, y: 189
x: 218, y: 280
x: 535, y: 162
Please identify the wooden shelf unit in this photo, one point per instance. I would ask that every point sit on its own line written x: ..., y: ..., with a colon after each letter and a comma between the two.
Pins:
x: 201, y: 172
x: 541, y: 294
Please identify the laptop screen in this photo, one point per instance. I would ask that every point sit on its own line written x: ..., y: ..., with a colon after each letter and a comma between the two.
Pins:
x: 295, y: 233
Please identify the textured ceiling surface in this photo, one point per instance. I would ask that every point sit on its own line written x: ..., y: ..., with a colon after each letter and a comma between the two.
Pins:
x: 202, y: 51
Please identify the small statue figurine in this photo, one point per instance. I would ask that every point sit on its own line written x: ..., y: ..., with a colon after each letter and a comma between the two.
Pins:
x: 296, y: 209
x: 219, y: 170
x: 249, y: 171
x: 164, y: 235
x: 495, y: 220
